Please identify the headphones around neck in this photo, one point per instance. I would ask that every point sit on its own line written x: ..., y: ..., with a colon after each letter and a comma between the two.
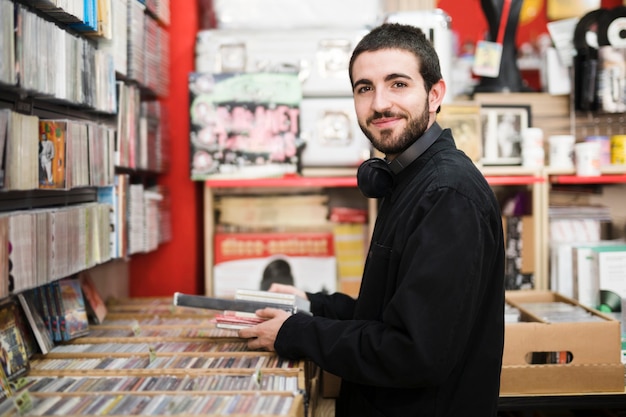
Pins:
x: 375, y: 177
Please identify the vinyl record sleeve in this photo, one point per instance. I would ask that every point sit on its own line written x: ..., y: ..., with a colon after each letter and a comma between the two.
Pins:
x: 612, y: 27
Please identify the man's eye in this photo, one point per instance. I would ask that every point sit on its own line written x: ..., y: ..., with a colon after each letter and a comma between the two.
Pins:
x: 399, y: 85
x: 363, y: 89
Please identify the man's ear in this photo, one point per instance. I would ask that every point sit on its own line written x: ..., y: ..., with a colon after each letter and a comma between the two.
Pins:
x: 436, y: 95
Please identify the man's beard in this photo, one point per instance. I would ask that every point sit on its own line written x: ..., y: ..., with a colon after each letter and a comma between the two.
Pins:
x: 386, y: 143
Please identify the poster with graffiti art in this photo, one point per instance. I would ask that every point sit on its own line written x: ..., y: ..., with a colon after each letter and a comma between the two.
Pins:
x: 244, y: 125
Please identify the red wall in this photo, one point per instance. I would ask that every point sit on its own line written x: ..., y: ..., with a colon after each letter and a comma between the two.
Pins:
x: 178, y: 265
x: 469, y: 22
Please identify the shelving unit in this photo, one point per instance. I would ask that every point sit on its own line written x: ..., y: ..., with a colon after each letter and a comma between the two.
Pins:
x: 287, y: 184
x: 496, y: 176
x: 82, y: 89
x: 535, y: 181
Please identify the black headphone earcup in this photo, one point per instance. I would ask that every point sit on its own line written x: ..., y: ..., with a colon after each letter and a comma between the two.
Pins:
x: 374, y: 178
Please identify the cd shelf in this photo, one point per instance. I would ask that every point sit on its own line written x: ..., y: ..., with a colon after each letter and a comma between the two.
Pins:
x: 140, y: 376
x: 187, y: 403
x: 60, y: 72
x: 32, y: 199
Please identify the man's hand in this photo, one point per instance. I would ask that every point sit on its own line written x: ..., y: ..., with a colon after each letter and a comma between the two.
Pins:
x: 263, y: 335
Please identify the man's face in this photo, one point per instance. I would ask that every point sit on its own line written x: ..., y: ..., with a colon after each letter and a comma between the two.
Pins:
x: 391, y: 102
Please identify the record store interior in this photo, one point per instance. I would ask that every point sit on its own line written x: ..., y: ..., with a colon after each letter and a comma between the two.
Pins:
x: 163, y: 163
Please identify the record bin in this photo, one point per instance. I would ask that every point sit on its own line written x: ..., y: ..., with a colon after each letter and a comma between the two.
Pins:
x: 578, y: 357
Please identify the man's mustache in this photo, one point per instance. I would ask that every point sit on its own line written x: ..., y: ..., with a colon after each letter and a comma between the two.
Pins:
x: 387, y: 114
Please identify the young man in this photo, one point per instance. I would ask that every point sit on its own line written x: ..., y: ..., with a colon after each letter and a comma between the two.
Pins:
x: 425, y: 336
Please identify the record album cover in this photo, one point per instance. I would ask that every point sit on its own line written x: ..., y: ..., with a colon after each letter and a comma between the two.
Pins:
x: 13, y: 355
x: 52, y: 154
x: 95, y: 305
x: 244, y: 125
x: 72, y: 308
x: 28, y: 301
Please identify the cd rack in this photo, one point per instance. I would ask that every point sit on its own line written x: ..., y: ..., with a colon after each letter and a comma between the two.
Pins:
x: 137, y: 362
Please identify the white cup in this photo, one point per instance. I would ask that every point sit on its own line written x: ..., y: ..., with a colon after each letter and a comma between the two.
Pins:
x: 533, y: 157
x: 562, y: 151
x: 532, y: 137
x: 587, y: 159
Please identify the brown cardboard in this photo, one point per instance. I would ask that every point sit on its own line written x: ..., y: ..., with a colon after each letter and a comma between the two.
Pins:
x: 561, y: 379
x: 595, y: 349
x: 330, y: 385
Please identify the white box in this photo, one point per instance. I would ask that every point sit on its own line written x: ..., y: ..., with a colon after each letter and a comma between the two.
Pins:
x: 609, y: 265
x: 436, y: 26
x: 320, y: 57
x: 586, y: 282
x: 297, y: 14
x: 330, y: 129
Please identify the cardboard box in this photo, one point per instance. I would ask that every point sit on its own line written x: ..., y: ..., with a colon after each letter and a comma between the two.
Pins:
x: 593, y: 348
x: 331, y: 385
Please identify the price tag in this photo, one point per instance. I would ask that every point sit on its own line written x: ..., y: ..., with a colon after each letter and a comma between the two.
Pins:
x: 488, y: 56
x: 136, y: 328
x: 487, y: 59
x: 257, y: 377
x: 23, y: 403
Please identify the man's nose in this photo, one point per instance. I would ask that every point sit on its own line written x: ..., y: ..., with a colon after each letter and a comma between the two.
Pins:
x: 381, y: 101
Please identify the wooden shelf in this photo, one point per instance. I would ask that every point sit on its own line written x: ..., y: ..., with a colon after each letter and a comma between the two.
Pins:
x: 512, y: 175
x: 33, y: 199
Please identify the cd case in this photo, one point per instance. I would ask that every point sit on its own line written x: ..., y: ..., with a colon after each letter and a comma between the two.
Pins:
x: 247, y: 301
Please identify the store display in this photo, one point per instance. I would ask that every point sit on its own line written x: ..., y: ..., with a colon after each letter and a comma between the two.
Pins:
x: 248, y: 260
x: 319, y: 57
x: 308, y: 40
x: 244, y: 125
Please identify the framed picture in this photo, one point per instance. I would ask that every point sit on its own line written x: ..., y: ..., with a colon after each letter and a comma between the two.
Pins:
x: 502, y: 126
x: 464, y: 121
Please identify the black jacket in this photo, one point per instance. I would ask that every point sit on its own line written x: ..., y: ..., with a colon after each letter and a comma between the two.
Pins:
x: 425, y: 336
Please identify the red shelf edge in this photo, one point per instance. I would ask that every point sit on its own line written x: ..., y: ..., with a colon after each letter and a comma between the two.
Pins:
x: 513, y: 179
x: 602, y: 179
x: 289, y: 181
x: 296, y: 181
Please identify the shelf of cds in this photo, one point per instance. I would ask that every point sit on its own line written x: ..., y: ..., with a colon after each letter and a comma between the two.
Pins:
x: 148, y: 357
x: 83, y: 135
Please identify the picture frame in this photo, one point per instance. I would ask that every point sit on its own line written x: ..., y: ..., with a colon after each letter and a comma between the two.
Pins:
x: 463, y: 119
x: 502, y: 127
